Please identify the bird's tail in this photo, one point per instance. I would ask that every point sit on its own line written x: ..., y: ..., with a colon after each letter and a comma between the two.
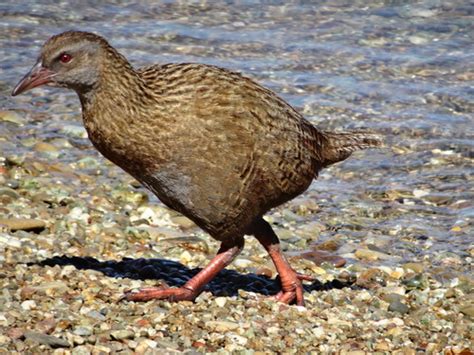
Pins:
x: 338, y: 146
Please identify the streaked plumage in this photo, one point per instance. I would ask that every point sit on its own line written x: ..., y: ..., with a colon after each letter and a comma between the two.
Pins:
x: 210, y: 143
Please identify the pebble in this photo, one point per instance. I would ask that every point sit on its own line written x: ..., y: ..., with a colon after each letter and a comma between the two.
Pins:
x: 48, y: 288
x: 183, y: 222
x: 418, y: 40
x: 370, y: 255
x: 416, y: 267
x: 468, y: 310
x: 237, y: 339
x: 74, y: 131
x: 28, y: 305
x: 12, y: 117
x: 9, y: 241
x: 96, y: 315
x: 415, y: 282
x: 46, y: 339
x: 394, y: 332
x: 3, y: 320
x: 6, y: 191
x: 4, y: 339
x: 321, y: 256
x: 83, y: 330
x: 221, y: 301
x: 399, y: 307
x: 242, y: 263
x: 122, y: 334
x: 23, y: 224
x: 221, y: 326
x: 45, y: 147
x: 81, y: 350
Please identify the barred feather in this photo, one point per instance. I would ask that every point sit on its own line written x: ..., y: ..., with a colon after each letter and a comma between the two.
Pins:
x: 340, y: 145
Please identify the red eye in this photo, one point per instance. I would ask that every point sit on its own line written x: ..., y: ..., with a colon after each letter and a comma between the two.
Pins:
x: 65, y: 58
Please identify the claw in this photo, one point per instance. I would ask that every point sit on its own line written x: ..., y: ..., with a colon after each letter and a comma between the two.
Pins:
x: 292, y: 289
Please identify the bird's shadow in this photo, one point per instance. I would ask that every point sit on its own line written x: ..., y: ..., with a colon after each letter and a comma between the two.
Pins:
x: 226, y: 283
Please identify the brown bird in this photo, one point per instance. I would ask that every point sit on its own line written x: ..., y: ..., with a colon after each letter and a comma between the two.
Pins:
x: 210, y: 143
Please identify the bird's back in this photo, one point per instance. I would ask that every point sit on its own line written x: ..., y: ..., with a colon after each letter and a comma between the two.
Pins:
x: 233, y: 148
x: 214, y: 145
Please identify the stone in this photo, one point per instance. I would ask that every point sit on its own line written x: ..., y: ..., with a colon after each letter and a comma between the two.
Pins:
x: 220, y: 301
x: 183, y: 222
x: 12, y: 242
x: 83, y: 330
x: 370, y: 255
x: 242, y: 263
x: 25, y: 224
x: 6, y: 191
x: 74, y: 131
x: 45, y: 339
x: 468, y: 310
x: 399, y: 307
x: 44, y: 147
x: 12, y: 117
x: 28, y: 305
x: 322, y: 256
x: 122, y: 334
x: 416, y: 267
x: 221, y: 326
x: 81, y: 350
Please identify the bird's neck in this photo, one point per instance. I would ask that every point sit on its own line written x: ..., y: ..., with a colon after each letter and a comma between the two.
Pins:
x: 113, y: 109
x: 118, y: 85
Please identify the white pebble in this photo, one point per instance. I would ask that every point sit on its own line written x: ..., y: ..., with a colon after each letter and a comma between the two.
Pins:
x: 28, y: 305
x: 220, y: 301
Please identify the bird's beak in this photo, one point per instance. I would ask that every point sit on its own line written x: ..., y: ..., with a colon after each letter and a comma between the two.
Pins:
x: 38, y: 75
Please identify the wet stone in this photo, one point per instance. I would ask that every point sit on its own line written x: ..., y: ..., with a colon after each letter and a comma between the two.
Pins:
x: 45, y: 147
x: 74, y: 131
x: 372, y: 278
x: 415, y: 282
x: 183, y: 222
x: 320, y: 256
x: 416, y: 267
x: 12, y: 117
x: 370, y: 255
x: 398, y: 307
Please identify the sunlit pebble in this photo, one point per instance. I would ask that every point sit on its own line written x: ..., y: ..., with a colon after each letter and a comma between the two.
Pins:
x: 220, y: 301
x: 420, y: 193
x: 443, y: 152
x: 28, y: 305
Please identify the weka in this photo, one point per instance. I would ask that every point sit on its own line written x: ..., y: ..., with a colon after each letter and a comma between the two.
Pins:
x: 210, y: 143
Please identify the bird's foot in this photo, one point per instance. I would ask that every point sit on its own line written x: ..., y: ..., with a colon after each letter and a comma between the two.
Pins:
x: 160, y: 293
x: 292, y: 288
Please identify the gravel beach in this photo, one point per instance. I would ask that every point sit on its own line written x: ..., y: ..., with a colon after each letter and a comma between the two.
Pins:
x: 76, y: 232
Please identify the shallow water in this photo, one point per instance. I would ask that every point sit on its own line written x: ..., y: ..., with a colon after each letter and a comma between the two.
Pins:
x: 403, y: 69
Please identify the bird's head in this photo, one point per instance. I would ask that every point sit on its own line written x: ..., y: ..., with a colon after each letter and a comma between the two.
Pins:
x: 70, y: 59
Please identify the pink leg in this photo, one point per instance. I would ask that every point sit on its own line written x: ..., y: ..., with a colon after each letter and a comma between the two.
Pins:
x: 292, y: 289
x: 191, y: 289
